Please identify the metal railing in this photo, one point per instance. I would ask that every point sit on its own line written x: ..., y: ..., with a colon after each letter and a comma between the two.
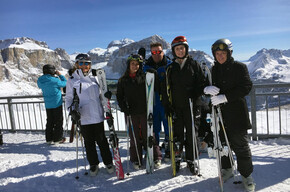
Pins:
x: 27, y: 113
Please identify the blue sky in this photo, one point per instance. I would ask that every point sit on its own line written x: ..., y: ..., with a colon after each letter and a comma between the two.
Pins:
x: 81, y: 25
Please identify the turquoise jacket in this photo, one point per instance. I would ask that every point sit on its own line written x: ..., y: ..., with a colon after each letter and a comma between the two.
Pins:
x: 50, y: 86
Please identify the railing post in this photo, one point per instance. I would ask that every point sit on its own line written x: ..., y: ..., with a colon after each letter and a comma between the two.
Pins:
x: 11, y: 114
x: 253, y: 113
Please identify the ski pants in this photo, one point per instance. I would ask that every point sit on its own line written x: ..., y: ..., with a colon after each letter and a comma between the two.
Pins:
x: 140, y: 132
x: 239, y: 144
x: 158, y: 117
x: 96, y: 133
x: 183, y: 120
x: 54, y: 121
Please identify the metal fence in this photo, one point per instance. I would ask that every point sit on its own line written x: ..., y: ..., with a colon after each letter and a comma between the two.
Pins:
x: 268, y: 105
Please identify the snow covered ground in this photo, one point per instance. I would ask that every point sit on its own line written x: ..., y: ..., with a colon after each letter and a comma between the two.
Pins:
x: 27, y: 164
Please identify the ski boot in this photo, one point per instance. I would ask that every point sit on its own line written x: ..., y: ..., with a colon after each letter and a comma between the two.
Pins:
x: 192, y: 167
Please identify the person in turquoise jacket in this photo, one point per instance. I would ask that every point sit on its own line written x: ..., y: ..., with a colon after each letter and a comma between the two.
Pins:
x: 51, y: 83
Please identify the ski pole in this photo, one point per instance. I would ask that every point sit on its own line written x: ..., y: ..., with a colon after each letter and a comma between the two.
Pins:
x: 194, y: 140
x: 81, y: 137
x: 77, y: 166
x: 139, y: 161
x: 229, y: 147
x: 127, y: 126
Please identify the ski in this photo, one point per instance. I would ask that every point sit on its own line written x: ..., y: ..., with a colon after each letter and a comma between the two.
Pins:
x: 114, y: 141
x: 170, y: 127
x: 149, y: 97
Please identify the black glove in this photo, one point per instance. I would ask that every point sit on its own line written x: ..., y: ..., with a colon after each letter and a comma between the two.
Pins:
x: 126, y: 110
x: 108, y: 95
x: 151, y: 70
x: 75, y: 115
x: 168, y: 110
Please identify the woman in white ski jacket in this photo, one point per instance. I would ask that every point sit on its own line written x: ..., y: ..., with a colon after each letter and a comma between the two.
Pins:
x: 83, y: 85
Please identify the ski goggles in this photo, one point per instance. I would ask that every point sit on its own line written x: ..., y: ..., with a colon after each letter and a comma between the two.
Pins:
x: 135, y: 58
x: 156, y: 52
x: 220, y: 46
x: 84, y: 63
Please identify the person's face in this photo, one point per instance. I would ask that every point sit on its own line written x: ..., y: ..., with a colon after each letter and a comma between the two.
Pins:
x: 84, y: 66
x: 134, y: 66
x: 221, y: 56
x: 179, y: 51
x: 157, y: 54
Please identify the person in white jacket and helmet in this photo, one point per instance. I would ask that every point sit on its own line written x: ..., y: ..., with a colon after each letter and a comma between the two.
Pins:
x: 83, y: 88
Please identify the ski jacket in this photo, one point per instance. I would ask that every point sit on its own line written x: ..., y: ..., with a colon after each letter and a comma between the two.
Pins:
x: 184, y: 83
x: 87, y: 89
x: 131, y: 94
x: 234, y: 81
x: 161, y: 72
x: 50, y: 86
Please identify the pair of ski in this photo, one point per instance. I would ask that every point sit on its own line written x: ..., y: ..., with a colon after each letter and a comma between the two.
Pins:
x: 218, y: 150
x: 149, y: 84
x: 114, y: 142
x: 175, y: 151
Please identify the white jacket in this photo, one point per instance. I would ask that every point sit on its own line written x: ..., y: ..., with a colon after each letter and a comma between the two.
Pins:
x: 87, y: 89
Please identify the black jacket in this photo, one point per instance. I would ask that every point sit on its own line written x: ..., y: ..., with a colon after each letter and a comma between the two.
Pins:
x: 234, y: 81
x: 132, y: 92
x: 185, y: 83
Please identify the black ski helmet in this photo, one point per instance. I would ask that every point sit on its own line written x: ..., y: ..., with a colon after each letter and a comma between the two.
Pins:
x: 48, y: 69
x: 134, y: 57
x: 83, y: 57
x: 179, y: 40
x: 223, y: 45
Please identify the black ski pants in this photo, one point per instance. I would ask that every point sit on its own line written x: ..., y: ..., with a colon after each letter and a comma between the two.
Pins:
x: 96, y: 133
x: 54, y: 121
x: 183, y: 120
x: 239, y: 144
x: 140, y: 131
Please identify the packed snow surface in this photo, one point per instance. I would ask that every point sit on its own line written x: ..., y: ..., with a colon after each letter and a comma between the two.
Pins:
x: 28, y: 164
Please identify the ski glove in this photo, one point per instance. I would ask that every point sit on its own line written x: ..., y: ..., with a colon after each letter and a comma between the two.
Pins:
x: 75, y: 115
x: 108, y: 95
x: 168, y: 110
x: 211, y: 90
x: 219, y: 99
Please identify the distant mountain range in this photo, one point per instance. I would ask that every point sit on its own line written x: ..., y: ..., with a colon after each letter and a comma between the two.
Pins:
x: 22, y: 59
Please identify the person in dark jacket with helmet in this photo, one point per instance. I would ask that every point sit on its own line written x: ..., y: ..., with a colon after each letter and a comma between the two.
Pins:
x: 131, y: 97
x: 186, y: 81
x: 51, y: 83
x: 230, y: 84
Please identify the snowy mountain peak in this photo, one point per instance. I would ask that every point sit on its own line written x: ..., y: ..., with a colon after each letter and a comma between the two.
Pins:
x: 120, y: 43
x: 24, y: 43
x: 270, y: 64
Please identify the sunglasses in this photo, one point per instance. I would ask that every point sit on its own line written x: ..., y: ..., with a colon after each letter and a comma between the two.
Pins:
x: 220, y: 46
x: 156, y: 52
x: 84, y: 63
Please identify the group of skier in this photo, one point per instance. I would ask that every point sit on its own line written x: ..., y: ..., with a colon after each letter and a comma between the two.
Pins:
x: 178, y: 85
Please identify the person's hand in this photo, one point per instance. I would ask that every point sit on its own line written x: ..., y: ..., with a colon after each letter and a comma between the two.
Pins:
x: 57, y: 73
x: 219, y: 99
x: 75, y: 115
x: 151, y: 70
x: 108, y: 95
x: 168, y: 110
x: 211, y: 90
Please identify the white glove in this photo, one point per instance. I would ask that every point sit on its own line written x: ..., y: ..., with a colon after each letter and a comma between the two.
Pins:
x: 211, y: 90
x: 219, y: 99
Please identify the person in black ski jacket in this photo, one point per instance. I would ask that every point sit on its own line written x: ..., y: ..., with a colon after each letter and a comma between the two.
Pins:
x: 131, y: 97
x: 158, y: 61
x: 230, y: 84
x: 186, y: 81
